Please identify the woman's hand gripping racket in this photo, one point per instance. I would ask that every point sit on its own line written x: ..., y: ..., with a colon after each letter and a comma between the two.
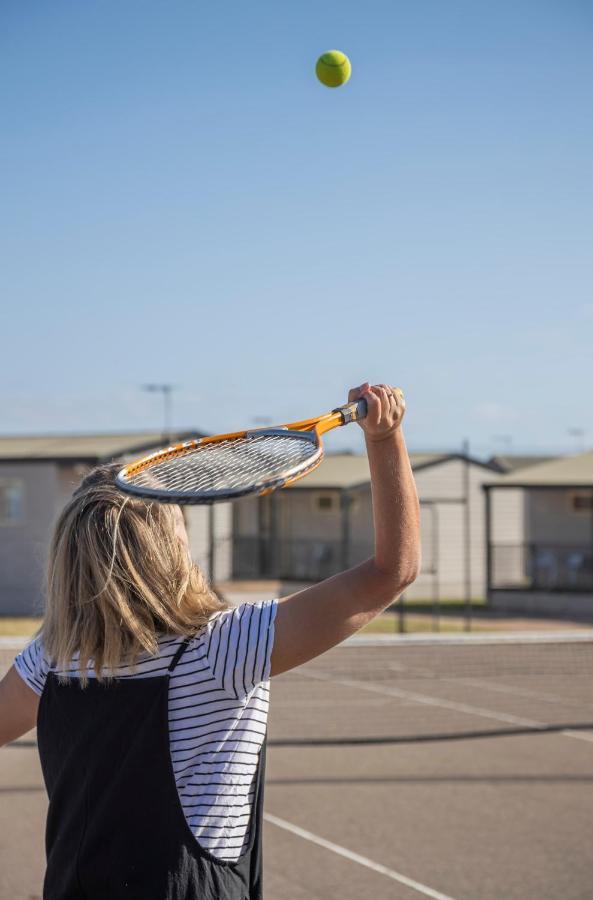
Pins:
x: 228, y: 466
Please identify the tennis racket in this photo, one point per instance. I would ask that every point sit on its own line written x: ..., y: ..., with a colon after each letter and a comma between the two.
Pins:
x: 228, y: 466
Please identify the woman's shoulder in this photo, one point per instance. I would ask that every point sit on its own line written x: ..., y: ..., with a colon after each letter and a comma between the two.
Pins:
x: 32, y: 665
x: 236, y: 644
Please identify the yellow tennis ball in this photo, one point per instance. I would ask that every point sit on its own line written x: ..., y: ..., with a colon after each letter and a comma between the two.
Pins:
x: 333, y: 68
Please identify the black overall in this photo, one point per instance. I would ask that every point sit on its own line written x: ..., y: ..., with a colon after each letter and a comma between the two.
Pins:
x: 115, y: 826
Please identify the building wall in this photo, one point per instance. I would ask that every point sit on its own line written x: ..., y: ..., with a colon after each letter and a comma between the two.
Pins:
x: 552, y: 519
x: 309, y: 536
x: 246, y: 516
x: 23, y: 544
x: 576, y: 606
x: 539, y: 539
x: 445, y: 543
x: 309, y: 533
x: 197, y: 520
x: 223, y: 533
x: 69, y: 477
x: 301, y: 517
x: 508, y: 517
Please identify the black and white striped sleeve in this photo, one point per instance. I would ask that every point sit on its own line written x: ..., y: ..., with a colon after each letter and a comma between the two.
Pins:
x: 32, y: 665
x: 239, y: 645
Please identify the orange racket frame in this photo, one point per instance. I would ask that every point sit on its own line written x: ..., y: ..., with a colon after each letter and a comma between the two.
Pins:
x: 312, y: 429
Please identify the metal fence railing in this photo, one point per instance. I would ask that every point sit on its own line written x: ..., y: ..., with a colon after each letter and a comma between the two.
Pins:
x: 547, y: 567
x: 300, y: 559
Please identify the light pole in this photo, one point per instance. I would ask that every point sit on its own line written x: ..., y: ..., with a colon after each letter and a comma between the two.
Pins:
x: 505, y: 439
x: 579, y: 435
x: 262, y: 421
x: 166, y: 390
x: 467, y: 534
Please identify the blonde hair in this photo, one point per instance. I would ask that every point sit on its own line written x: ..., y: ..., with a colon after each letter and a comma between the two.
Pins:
x: 118, y: 576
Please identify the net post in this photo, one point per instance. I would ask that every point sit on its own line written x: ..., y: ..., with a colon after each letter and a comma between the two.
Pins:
x: 591, y: 572
x: 261, y: 540
x: 467, y: 532
x: 397, y: 667
x: 274, y: 560
x: 436, y: 594
x: 401, y: 614
x: 488, y: 539
x: 345, y: 503
x: 211, y: 540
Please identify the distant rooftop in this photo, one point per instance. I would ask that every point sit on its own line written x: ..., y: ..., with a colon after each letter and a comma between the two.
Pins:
x: 82, y: 447
x: 346, y: 470
x: 511, y: 462
x: 566, y: 471
x: 337, y: 470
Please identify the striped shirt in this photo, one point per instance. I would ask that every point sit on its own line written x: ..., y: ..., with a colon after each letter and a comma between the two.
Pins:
x: 218, y: 709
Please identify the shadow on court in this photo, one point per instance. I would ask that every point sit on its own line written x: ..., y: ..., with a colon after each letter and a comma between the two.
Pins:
x: 507, y: 818
x: 504, y: 816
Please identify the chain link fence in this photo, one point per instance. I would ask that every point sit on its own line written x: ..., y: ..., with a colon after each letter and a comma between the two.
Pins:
x: 547, y: 567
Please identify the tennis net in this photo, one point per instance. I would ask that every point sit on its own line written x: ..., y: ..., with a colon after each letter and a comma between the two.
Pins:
x: 412, y: 688
x: 390, y: 689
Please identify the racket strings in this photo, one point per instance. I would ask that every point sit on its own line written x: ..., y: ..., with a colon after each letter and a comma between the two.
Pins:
x: 229, y: 466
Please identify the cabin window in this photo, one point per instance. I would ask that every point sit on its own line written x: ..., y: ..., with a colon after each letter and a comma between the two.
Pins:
x: 582, y: 502
x: 11, y: 501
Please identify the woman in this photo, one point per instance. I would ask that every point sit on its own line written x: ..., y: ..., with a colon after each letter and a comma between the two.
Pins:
x: 150, y: 696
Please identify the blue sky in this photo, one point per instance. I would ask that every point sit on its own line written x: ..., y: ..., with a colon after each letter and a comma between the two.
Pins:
x: 183, y: 202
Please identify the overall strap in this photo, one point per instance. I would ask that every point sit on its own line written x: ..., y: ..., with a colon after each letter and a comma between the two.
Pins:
x: 182, y: 647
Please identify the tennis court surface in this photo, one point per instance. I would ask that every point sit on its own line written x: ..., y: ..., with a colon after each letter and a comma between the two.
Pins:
x: 403, y: 767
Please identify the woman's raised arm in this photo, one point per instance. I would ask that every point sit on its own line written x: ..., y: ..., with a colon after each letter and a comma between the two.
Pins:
x: 311, y: 621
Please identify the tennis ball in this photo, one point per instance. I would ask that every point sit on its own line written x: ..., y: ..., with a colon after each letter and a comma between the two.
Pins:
x: 333, y: 68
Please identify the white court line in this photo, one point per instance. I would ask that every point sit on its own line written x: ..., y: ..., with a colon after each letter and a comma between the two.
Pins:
x: 13, y: 643
x: 356, y: 857
x: 578, y: 735
x: 516, y: 691
x: 489, y: 686
x: 427, y: 700
x: 584, y: 635
x: 443, y: 704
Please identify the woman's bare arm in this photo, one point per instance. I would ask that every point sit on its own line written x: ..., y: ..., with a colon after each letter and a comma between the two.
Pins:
x: 18, y: 707
x: 311, y: 621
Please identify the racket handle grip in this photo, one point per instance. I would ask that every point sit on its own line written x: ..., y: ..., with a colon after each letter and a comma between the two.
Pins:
x: 352, y: 412
x: 361, y: 409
